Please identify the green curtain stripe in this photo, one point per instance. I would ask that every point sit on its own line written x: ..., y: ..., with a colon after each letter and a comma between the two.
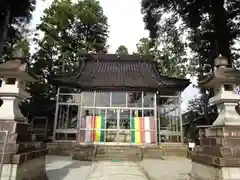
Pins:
x: 102, y: 127
x: 132, y: 129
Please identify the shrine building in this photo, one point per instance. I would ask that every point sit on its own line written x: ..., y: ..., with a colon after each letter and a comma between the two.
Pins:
x: 118, y: 99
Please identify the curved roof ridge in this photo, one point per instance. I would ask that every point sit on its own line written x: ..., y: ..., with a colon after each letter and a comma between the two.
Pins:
x: 122, y: 57
x: 97, y: 72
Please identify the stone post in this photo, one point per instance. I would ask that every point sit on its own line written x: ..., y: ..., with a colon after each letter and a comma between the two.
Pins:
x: 218, y: 155
x: 24, y: 158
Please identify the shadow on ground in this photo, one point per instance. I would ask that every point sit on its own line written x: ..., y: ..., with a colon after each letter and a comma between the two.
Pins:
x: 64, y: 168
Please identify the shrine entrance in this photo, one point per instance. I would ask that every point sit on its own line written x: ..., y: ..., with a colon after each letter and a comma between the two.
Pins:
x: 117, y: 125
x: 118, y: 128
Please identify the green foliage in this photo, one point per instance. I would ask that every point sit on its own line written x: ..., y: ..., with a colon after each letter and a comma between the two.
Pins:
x: 212, y: 26
x: 14, y: 15
x: 197, y: 104
x: 168, y: 51
x: 144, y: 47
x: 199, y: 113
x: 172, y: 49
x: 24, y: 45
x: 122, y: 50
x: 70, y: 30
x: 20, y: 10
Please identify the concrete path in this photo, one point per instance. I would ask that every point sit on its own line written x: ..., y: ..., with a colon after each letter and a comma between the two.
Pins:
x: 64, y: 168
x: 168, y: 169
x: 108, y: 170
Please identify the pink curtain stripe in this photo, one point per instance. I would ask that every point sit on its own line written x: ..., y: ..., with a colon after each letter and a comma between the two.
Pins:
x: 81, y: 133
x: 83, y: 122
x: 142, y: 127
x: 81, y: 136
x: 153, y: 129
x: 88, y: 127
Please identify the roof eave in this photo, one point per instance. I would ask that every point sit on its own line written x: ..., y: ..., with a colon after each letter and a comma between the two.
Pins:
x: 180, y: 86
x: 61, y: 83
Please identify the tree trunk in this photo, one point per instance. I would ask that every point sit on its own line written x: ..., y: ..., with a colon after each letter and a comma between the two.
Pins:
x: 4, y: 29
x: 223, y: 36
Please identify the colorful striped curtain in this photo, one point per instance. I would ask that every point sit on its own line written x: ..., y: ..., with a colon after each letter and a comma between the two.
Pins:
x: 94, y: 126
x: 99, y: 125
x: 140, y: 130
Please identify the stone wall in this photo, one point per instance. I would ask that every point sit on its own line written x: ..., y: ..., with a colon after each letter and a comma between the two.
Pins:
x: 29, y: 170
x: 165, y: 150
x: 61, y: 148
x: 84, y: 152
x: 22, y: 156
x: 218, y: 155
x: 205, y: 172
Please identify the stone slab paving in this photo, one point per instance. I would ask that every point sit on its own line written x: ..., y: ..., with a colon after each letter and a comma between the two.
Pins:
x: 109, y: 170
x: 167, y: 169
x: 64, y: 168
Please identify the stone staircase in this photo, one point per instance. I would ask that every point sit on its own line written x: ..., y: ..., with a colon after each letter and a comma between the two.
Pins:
x: 165, y: 150
x: 118, y: 152
x: 127, y: 152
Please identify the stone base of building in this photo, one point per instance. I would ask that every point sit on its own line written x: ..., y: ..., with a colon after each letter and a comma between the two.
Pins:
x: 61, y: 148
x: 107, y: 152
x: 86, y: 152
x: 128, y: 152
x: 206, y: 172
x: 23, y: 159
x: 165, y: 150
x: 29, y: 170
x: 218, y: 155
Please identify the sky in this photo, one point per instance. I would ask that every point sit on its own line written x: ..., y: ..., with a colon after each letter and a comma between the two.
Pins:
x: 126, y: 27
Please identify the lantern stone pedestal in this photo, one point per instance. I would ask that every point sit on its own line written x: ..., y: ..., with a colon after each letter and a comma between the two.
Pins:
x: 24, y: 158
x: 218, y: 155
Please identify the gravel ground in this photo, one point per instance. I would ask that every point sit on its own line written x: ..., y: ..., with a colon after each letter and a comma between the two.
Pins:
x: 168, y: 169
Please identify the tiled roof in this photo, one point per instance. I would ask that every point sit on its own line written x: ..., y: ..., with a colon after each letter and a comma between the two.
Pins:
x: 125, y: 72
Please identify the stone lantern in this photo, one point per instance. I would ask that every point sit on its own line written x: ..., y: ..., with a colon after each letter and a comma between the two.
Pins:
x: 23, y: 158
x: 14, y: 78
x: 224, y: 81
x: 218, y: 155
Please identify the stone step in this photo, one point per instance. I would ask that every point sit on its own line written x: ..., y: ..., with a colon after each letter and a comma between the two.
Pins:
x: 24, y: 156
x: 62, y: 148
x: 118, y: 158
x: 20, y: 147
x: 115, y: 158
x: 117, y: 147
x: 178, y: 150
x: 118, y: 152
